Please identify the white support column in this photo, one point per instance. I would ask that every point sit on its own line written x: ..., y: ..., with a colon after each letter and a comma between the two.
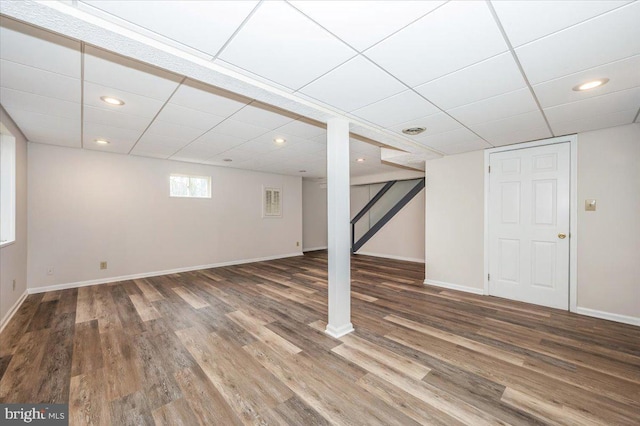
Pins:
x: 339, y: 228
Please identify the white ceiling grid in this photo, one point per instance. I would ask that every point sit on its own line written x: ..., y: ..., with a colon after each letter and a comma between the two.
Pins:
x: 475, y: 74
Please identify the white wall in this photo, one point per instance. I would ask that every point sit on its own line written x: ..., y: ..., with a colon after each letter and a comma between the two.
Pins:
x: 609, y: 238
x: 314, y: 215
x: 86, y: 207
x: 454, y: 243
x: 13, y: 257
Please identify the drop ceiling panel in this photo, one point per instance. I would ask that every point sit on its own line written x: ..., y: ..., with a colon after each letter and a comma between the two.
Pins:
x: 239, y: 129
x: 178, y: 134
x: 607, y: 38
x: 594, y: 123
x: 624, y: 74
x: 203, y: 25
x: 14, y: 99
x: 110, y: 70
x: 396, y: 109
x: 591, y: 107
x: 134, y: 104
x: 496, y: 108
x: 448, y: 139
x: 115, y: 119
x: 303, y: 129
x: 263, y: 116
x: 361, y: 24
x: 38, y: 48
x: 492, y: 77
x: 39, y: 82
x: 521, y: 135
x: 198, y: 96
x: 467, y: 146
x: 120, y: 140
x: 172, y: 113
x: 456, y: 35
x: 216, y: 142
x: 281, y: 44
x: 353, y: 85
x: 492, y: 129
x: 435, y: 123
x: 48, y: 129
x: 525, y: 21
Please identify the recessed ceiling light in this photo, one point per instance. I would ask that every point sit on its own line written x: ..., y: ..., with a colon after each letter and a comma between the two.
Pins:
x: 591, y: 84
x: 360, y: 160
x: 102, y: 142
x: 413, y: 130
x: 111, y: 100
x: 227, y: 160
x: 279, y: 141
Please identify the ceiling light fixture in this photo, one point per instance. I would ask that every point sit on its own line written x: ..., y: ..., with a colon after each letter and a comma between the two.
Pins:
x: 112, y: 101
x: 360, y: 160
x: 412, y: 131
x: 102, y: 142
x: 591, y: 84
x: 227, y: 160
x: 279, y: 141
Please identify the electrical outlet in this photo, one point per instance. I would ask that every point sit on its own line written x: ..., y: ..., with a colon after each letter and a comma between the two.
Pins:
x: 14, y: 285
x: 103, y: 265
x: 50, y: 270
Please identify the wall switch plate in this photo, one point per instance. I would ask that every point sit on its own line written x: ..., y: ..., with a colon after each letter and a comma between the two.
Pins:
x: 103, y: 265
x: 590, y: 205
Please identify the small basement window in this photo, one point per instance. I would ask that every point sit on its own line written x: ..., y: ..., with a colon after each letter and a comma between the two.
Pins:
x: 272, y: 205
x: 190, y: 186
x: 7, y: 188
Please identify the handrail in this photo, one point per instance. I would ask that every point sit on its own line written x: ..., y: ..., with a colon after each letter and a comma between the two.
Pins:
x: 355, y: 246
x: 374, y: 200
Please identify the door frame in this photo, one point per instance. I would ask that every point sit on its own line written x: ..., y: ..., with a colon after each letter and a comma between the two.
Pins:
x: 573, y: 209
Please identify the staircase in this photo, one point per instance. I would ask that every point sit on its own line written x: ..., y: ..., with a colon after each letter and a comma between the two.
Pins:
x: 389, y: 200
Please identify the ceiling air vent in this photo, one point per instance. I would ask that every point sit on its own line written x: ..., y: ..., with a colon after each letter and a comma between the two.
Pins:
x: 412, y: 131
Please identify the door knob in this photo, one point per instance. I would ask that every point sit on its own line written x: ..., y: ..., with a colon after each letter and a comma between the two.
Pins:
x: 562, y: 236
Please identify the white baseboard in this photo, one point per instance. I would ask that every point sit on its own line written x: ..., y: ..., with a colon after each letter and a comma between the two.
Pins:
x: 608, y: 316
x: 314, y: 248
x: 458, y: 287
x: 337, y: 332
x: 12, y: 311
x: 389, y: 256
x: 56, y: 287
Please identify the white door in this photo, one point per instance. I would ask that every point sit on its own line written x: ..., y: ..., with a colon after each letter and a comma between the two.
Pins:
x: 529, y: 225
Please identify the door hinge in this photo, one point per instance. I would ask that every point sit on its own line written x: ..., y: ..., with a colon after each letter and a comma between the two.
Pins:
x: 488, y: 277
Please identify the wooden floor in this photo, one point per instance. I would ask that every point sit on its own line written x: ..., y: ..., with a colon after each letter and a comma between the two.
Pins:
x: 245, y: 345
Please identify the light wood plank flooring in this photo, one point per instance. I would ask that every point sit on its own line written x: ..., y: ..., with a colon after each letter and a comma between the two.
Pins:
x: 245, y: 345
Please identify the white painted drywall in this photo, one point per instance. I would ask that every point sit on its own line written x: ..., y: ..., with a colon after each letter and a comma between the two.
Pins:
x: 13, y: 257
x: 314, y: 215
x: 87, y: 206
x: 454, y: 220
x: 609, y: 238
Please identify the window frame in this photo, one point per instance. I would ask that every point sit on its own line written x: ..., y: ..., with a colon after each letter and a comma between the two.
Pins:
x: 182, y: 175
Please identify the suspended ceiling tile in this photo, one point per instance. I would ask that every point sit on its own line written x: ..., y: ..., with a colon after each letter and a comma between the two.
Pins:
x: 48, y: 129
x: 520, y: 135
x: 454, y: 36
x: 458, y: 136
x: 172, y: 113
x: 111, y: 70
x: 203, y: 25
x: 353, y: 85
x: 624, y: 74
x: 467, y: 146
x: 38, y: 81
x: 592, y: 107
x: 594, y: 123
x: 434, y: 123
x: 133, y: 104
x: 216, y: 142
x: 529, y: 120
x: 607, y: 38
x: 120, y: 139
x: 396, y: 109
x: 179, y: 133
x: 303, y: 129
x: 496, y: 108
x: 361, y: 24
x: 525, y: 21
x: 115, y: 119
x: 263, y: 116
x: 15, y: 99
x: 39, y: 48
x: 239, y: 129
x: 281, y: 44
x: 492, y: 77
x: 208, y: 99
